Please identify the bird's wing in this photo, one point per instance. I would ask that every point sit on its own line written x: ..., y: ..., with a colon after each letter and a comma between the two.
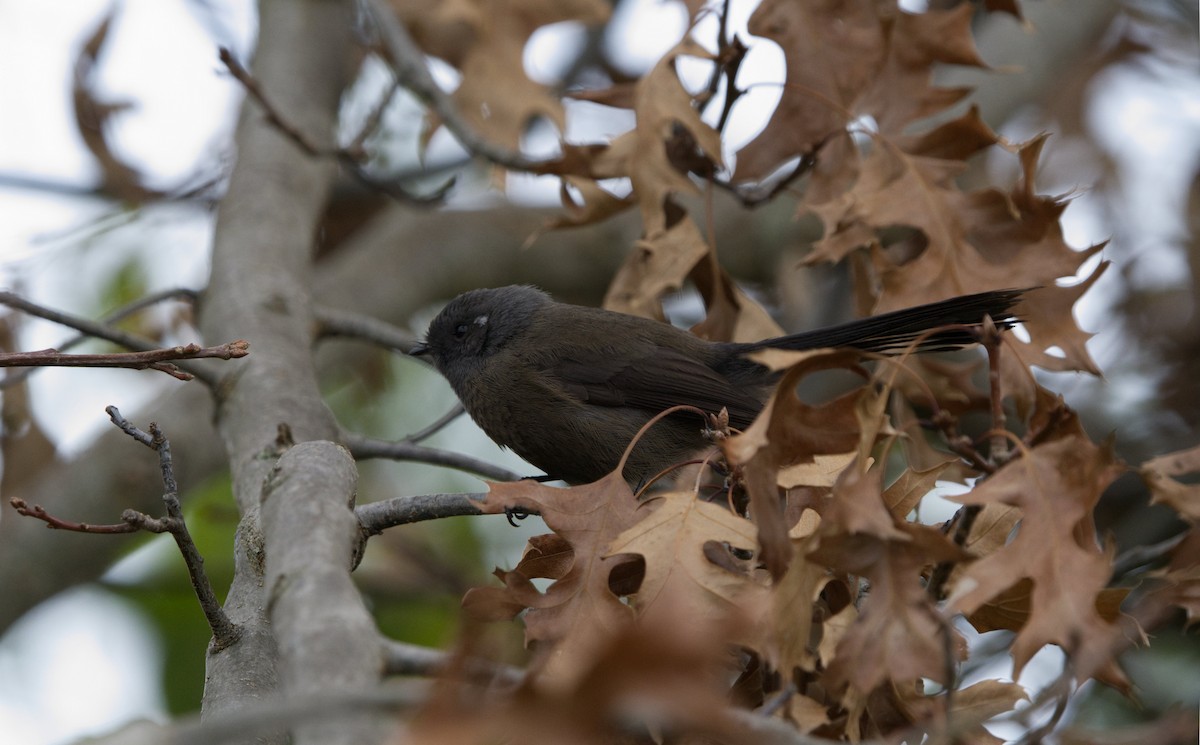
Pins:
x: 655, y: 381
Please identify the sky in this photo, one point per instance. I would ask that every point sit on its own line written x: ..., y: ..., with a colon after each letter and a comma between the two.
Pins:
x: 85, y: 662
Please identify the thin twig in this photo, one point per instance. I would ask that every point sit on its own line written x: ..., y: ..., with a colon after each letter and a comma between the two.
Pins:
x: 224, y: 631
x: 38, y: 512
x: 347, y: 158
x: 18, y: 376
x: 357, y: 147
x: 151, y: 359
x: 362, y: 447
x: 158, y: 358
x: 277, y: 120
x: 423, y: 434
x: 84, y: 325
x: 345, y: 323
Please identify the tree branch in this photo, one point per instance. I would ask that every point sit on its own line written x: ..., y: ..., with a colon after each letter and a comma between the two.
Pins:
x: 345, y: 323
x: 401, y: 658
x: 146, y: 355
x: 116, y: 316
x: 375, y: 517
x: 223, y: 630
x: 348, y: 158
x: 151, y: 359
x: 366, y: 447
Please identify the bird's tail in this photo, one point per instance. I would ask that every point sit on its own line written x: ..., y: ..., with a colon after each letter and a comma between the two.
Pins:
x: 892, y: 333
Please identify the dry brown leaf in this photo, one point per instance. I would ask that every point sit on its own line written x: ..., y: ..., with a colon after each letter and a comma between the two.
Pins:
x: 823, y: 471
x: 806, y: 713
x: 900, y: 92
x: 785, y: 633
x: 665, y: 113
x: 786, y: 432
x: 906, y: 492
x: 578, y: 611
x: 645, y: 673
x: 900, y: 635
x: 485, y: 40
x: 93, y: 117
x: 833, y: 630
x: 731, y: 315
x: 950, y: 383
x: 846, y: 60
x: 671, y: 533
x: 1180, y: 579
x: 972, y: 706
x: 1183, y: 498
x: 858, y: 506
x: 1056, y: 486
x: 832, y: 51
x: 656, y: 266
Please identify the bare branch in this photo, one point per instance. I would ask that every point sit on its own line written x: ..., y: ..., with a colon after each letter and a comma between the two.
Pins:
x: 348, y: 157
x: 116, y: 316
x: 151, y: 359
x: 147, y: 354
x: 57, y: 523
x: 84, y: 325
x: 344, y: 323
x: 367, y: 447
x: 423, y: 434
x: 401, y: 658
x: 375, y: 517
x: 223, y: 630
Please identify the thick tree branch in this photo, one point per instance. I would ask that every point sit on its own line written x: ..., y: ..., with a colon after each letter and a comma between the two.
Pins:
x: 263, y: 249
x: 323, y: 630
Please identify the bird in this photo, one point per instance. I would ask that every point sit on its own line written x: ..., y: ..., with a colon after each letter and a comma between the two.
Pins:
x: 567, y: 387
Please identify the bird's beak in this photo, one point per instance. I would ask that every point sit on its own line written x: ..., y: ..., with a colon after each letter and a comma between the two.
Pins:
x: 419, y: 349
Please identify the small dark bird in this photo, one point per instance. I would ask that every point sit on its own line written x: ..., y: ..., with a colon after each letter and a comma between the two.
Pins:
x: 567, y: 387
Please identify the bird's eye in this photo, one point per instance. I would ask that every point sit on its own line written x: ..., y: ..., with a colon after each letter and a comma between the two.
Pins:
x: 460, y: 331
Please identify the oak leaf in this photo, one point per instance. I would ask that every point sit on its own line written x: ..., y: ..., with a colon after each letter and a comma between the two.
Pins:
x: 786, y: 432
x: 485, y: 40
x: 899, y: 635
x: 675, y: 533
x: 1183, y: 498
x: 573, y: 617
x: 1056, y: 485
